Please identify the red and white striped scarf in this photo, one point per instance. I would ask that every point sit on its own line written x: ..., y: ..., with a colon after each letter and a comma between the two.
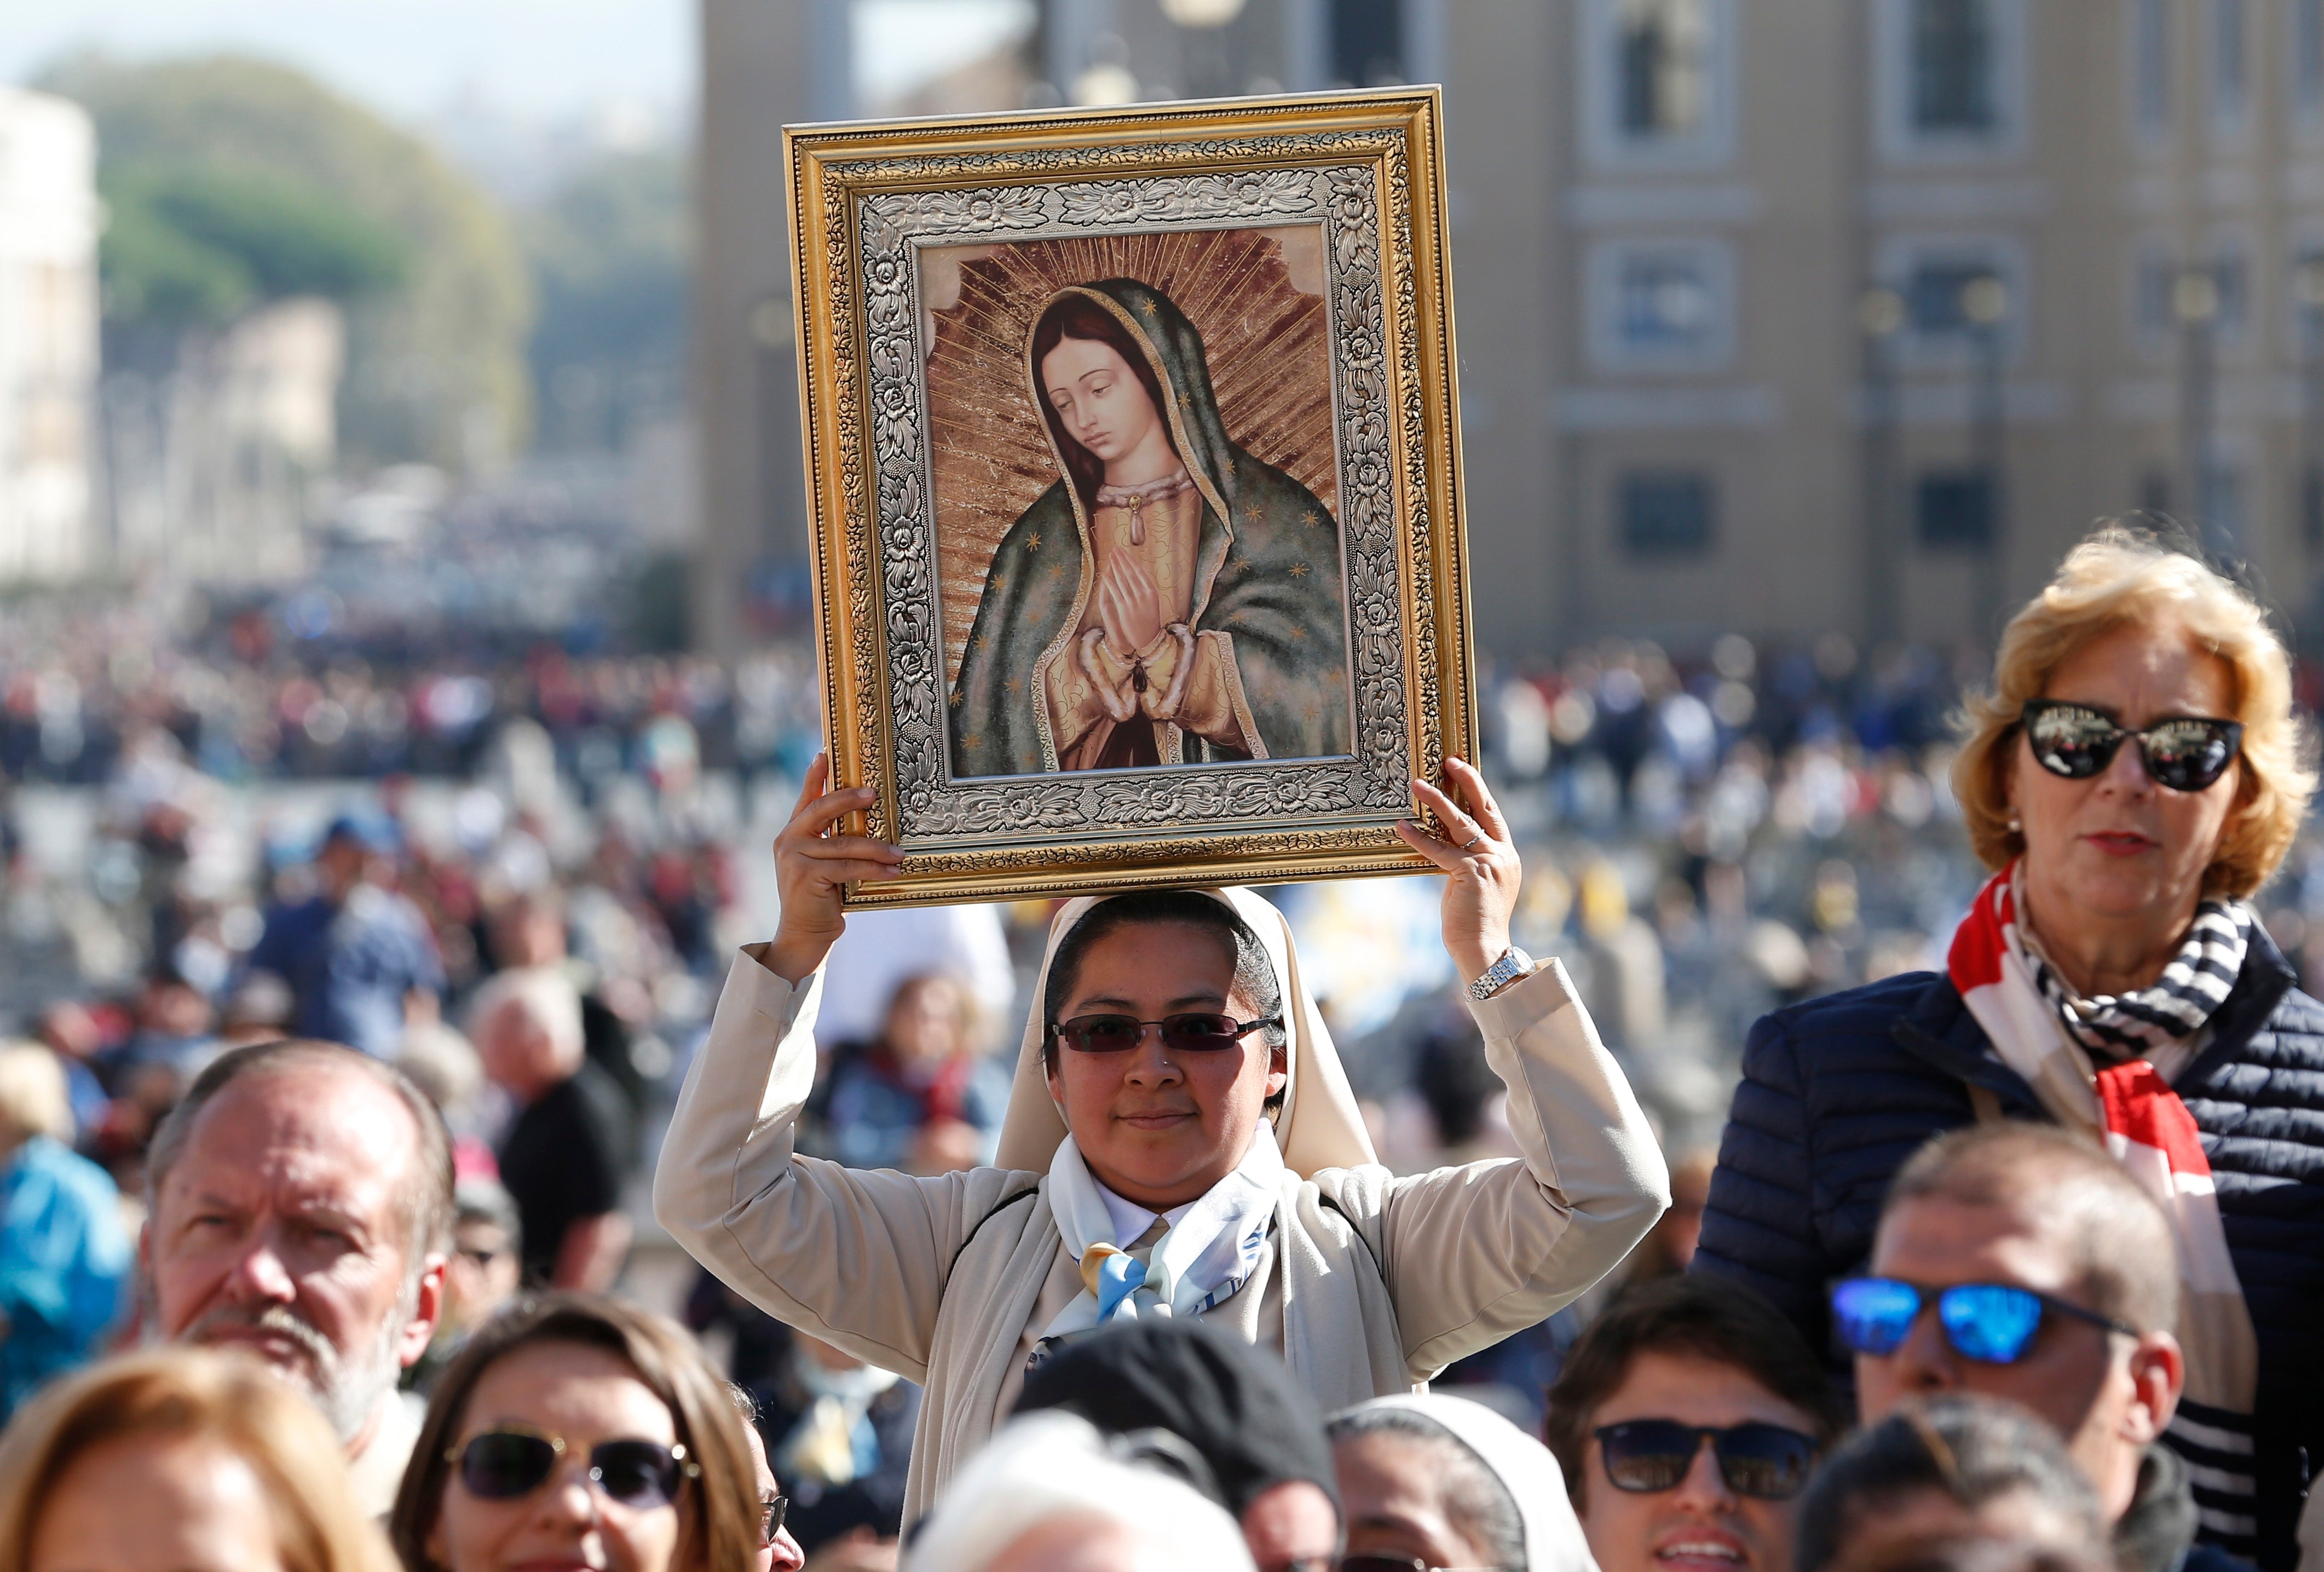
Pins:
x: 2131, y: 1109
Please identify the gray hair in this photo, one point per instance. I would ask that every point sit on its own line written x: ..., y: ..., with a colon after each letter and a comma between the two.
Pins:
x: 546, y: 996
x: 1476, y: 1501
x: 1054, y: 1467
x: 426, y: 1202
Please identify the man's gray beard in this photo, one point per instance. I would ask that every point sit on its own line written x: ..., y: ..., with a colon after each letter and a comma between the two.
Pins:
x: 345, y: 1391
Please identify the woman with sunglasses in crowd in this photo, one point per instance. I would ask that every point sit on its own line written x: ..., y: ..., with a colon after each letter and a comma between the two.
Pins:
x: 2136, y: 774
x: 576, y: 1431
x: 1181, y: 1141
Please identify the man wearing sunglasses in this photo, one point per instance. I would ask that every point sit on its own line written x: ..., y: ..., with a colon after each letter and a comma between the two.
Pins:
x: 2016, y: 1261
x: 1687, y: 1420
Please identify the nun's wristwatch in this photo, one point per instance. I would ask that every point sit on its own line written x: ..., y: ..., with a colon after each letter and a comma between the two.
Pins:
x: 1514, y: 964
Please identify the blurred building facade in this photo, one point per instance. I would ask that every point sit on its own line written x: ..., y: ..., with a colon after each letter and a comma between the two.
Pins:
x: 767, y: 62
x: 764, y: 63
x: 48, y: 333
x: 212, y: 457
x: 1774, y: 318
x: 1804, y: 318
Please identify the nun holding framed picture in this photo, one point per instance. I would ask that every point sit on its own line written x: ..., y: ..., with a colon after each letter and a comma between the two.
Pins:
x: 1134, y: 474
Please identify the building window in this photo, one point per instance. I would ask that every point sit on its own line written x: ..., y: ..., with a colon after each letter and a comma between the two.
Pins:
x: 1950, y: 80
x: 1952, y: 67
x: 1665, y: 514
x: 1665, y: 56
x: 1941, y: 296
x: 2221, y: 507
x: 2150, y: 63
x: 1367, y: 43
x: 2157, y: 280
x: 1953, y: 510
x: 1661, y: 305
x: 1655, y: 82
x: 2229, y: 41
x: 1665, y: 303
x: 2231, y: 276
x: 2308, y: 58
x: 1965, y: 296
x: 2304, y: 317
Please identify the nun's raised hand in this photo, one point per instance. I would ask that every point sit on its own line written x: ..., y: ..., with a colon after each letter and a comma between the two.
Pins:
x: 813, y: 867
x: 1482, y: 871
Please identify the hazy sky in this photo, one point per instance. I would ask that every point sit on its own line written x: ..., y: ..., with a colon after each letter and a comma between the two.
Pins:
x: 530, y: 59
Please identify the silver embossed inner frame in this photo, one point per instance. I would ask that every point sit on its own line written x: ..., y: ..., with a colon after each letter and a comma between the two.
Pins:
x: 937, y: 812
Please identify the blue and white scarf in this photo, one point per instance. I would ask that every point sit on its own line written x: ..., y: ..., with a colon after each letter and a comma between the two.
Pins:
x: 1213, y: 1244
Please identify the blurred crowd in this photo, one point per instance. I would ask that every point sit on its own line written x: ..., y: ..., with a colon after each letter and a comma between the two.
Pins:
x: 286, y: 689
x: 519, y: 878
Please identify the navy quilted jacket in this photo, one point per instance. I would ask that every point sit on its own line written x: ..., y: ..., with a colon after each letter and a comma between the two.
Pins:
x: 1839, y: 1091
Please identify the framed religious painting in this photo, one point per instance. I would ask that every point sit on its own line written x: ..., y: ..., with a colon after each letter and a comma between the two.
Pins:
x: 1135, y: 479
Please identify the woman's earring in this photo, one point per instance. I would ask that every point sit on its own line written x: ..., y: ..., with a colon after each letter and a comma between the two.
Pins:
x: 2016, y: 825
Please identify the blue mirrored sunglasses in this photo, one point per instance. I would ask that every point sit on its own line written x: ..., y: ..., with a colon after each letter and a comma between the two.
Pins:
x: 1994, y: 1322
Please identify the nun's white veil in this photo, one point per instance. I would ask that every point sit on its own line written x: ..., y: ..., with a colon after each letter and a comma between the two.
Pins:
x: 1319, y: 1126
x: 1526, y: 1469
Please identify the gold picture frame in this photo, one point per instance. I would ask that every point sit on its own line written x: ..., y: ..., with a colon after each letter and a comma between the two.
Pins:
x: 1050, y: 696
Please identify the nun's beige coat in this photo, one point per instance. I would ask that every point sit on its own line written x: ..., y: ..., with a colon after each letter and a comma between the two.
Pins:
x: 1380, y: 1281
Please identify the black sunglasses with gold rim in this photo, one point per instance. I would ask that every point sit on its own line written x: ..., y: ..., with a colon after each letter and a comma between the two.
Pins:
x: 511, y: 1460
x: 772, y: 1509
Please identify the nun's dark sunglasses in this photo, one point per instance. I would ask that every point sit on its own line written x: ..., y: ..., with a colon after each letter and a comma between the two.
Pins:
x: 2184, y: 753
x: 1191, y: 1031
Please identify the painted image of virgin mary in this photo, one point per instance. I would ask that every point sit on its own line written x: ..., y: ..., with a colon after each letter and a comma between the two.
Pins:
x: 1171, y: 600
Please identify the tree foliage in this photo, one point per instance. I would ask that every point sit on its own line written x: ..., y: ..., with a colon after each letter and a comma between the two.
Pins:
x: 436, y: 349
x: 187, y: 246
x: 610, y: 255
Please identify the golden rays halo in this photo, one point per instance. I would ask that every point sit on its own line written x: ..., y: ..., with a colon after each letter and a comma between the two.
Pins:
x: 1263, y: 334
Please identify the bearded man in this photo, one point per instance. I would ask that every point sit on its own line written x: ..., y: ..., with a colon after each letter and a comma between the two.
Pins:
x: 298, y: 1208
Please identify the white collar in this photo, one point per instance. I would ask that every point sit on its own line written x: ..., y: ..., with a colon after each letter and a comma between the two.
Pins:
x: 1129, y: 1219
x: 1214, y: 1243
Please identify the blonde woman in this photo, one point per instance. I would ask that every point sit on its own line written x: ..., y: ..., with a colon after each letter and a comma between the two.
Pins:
x: 2136, y: 774
x: 178, y: 1460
